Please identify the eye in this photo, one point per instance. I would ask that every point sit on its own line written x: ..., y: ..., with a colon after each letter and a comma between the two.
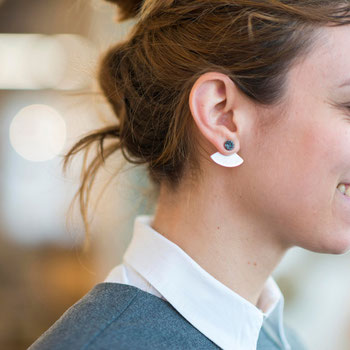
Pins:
x: 341, y: 107
x: 344, y: 106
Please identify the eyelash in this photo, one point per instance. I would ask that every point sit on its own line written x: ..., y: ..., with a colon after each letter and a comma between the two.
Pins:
x: 346, y: 106
x: 342, y: 106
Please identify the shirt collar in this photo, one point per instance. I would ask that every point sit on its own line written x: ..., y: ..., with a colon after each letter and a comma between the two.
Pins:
x: 225, y: 317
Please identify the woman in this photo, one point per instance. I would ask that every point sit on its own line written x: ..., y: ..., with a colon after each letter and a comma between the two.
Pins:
x: 194, y: 84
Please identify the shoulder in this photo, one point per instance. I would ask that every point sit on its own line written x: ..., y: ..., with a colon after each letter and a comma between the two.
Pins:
x: 121, y: 316
x: 88, y: 317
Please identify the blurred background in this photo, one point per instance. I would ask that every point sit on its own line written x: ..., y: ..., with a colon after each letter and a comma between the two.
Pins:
x: 49, y: 50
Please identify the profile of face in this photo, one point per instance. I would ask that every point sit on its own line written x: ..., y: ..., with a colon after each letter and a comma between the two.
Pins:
x: 288, y: 182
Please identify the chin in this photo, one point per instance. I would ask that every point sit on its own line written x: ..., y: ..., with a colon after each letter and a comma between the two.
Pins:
x: 337, y: 251
x: 336, y: 244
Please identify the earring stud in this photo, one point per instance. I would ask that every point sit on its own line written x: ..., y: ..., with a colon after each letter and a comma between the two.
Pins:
x: 229, y: 145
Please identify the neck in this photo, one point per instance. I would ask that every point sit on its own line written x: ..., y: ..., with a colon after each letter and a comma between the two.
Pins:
x: 216, y: 231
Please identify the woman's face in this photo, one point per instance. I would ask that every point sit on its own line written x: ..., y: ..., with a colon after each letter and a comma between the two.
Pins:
x: 293, y: 169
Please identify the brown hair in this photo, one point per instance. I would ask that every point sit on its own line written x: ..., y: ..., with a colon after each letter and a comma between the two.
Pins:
x: 147, y: 78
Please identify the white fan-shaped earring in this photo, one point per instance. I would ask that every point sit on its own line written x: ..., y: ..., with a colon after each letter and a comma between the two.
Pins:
x: 231, y: 160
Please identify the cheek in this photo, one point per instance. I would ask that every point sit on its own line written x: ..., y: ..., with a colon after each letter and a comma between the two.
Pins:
x: 295, y: 185
x: 324, y: 216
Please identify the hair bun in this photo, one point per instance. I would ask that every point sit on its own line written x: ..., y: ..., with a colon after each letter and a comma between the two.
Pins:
x: 128, y: 8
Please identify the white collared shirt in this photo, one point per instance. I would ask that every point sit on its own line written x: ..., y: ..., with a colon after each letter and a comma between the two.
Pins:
x: 158, y: 266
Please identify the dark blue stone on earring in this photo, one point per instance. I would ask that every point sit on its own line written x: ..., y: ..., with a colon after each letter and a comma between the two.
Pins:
x: 229, y: 145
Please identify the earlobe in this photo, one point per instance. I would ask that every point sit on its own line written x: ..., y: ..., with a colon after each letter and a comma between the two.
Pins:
x: 211, y: 103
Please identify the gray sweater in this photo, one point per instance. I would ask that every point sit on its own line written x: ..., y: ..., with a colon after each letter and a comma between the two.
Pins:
x: 120, y: 316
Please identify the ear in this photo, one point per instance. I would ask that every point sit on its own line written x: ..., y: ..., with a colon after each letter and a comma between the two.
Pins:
x: 212, y: 103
